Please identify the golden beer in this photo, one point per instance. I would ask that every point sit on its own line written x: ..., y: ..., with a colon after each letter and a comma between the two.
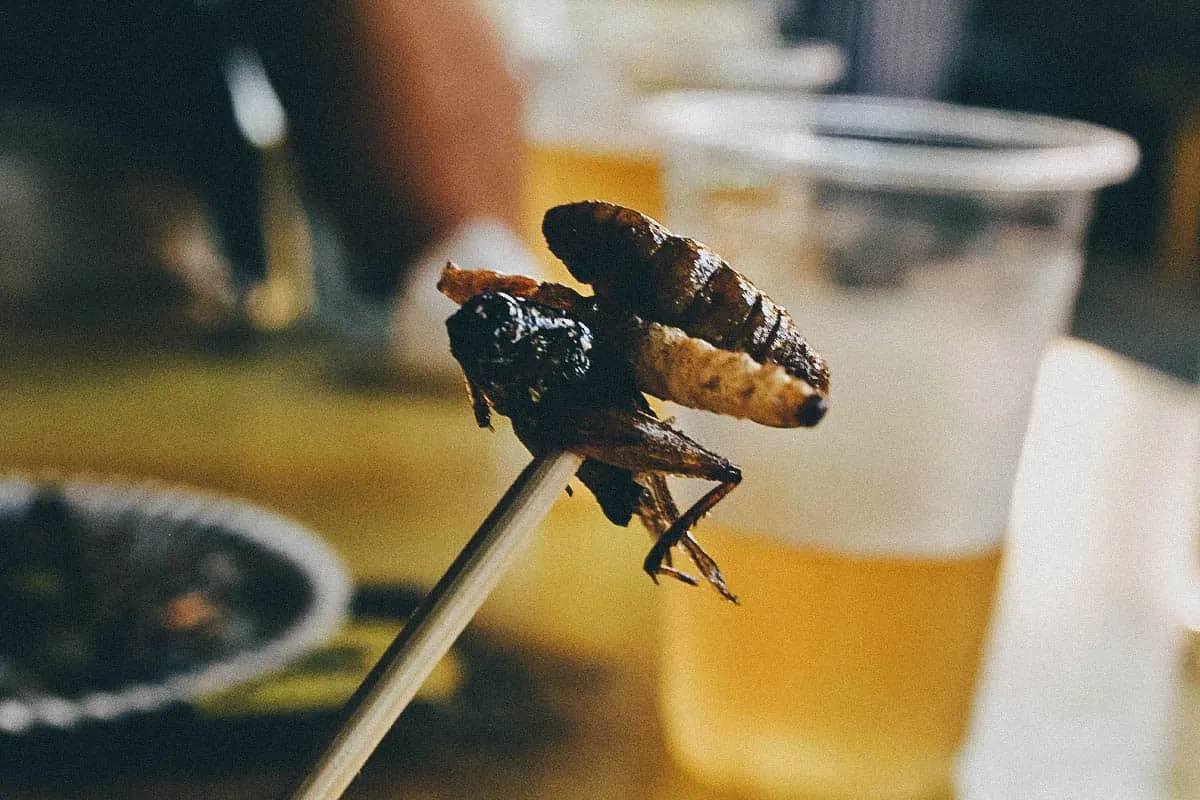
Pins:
x: 838, y: 677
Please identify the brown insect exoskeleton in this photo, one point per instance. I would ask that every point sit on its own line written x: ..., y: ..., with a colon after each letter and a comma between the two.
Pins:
x: 635, y: 263
x: 569, y: 370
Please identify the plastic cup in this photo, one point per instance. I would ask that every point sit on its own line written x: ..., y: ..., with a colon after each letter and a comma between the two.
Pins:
x: 929, y: 252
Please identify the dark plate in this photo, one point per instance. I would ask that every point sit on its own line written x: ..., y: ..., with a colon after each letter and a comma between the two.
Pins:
x: 118, y: 597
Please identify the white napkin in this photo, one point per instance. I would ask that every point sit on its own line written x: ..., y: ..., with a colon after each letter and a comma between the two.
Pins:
x: 1081, y: 686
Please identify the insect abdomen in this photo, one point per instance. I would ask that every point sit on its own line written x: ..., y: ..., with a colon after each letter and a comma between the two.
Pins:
x: 632, y: 260
x: 673, y: 365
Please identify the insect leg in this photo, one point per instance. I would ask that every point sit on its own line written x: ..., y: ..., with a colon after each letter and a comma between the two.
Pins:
x: 658, y: 511
x: 621, y: 496
x: 649, y: 447
x: 680, y: 533
x: 633, y: 440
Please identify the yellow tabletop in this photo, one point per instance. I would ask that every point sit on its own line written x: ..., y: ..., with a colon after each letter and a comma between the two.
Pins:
x: 395, y: 480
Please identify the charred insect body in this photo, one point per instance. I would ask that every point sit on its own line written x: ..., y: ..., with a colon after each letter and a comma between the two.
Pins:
x: 515, y: 353
x: 637, y: 264
x: 569, y: 371
x: 563, y: 388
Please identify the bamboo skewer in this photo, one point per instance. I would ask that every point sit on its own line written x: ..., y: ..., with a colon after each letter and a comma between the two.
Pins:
x: 429, y: 633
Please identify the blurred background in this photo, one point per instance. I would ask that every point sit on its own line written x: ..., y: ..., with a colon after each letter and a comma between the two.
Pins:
x: 193, y: 289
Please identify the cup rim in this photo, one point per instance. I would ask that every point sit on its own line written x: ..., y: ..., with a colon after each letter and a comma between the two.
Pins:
x: 900, y: 143
x: 751, y: 66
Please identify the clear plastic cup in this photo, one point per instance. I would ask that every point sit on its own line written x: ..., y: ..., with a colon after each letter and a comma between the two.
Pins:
x: 929, y: 252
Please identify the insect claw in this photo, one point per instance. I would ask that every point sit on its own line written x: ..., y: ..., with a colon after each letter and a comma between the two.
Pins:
x: 658, y: 560
x: 674, y: 573
x: 704, y: 562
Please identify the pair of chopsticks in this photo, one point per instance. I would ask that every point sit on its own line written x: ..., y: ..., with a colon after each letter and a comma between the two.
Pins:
x: 431, y: 630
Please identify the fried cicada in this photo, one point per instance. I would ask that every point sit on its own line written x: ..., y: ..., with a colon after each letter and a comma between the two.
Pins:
x: 570, y: 370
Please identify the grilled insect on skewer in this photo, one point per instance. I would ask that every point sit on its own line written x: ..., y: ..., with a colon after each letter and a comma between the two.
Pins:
x: 563, y: 388
x: 665, y: 361
x: 569, y: 371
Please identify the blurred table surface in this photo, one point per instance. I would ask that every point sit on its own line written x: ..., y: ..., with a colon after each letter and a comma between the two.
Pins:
x: 395, y: 480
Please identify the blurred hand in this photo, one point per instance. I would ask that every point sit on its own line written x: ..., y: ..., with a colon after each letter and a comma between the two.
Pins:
x: 404, y: 115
